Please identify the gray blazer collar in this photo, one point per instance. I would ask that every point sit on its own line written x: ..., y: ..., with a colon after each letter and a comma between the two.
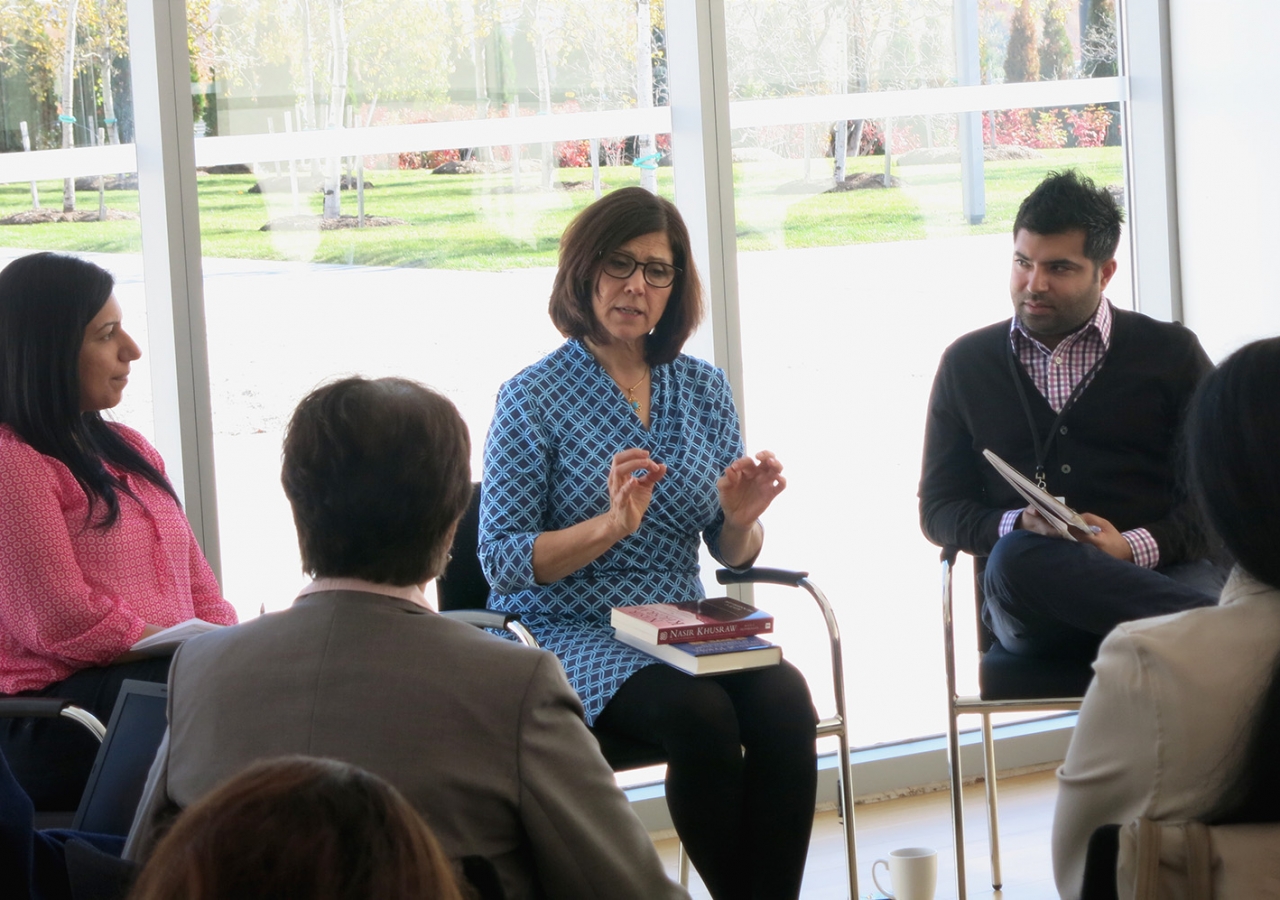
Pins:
x: 366, y: 598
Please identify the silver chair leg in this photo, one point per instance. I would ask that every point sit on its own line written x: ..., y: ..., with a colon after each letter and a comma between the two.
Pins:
x: 844, y: 788
x: 682, y: 863
x: 957, y: 800
x: 953, y: 728
x: 993, y: 814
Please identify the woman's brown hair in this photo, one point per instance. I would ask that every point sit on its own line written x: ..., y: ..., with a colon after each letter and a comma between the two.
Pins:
x: 297, y: 827
x: 602, y: 228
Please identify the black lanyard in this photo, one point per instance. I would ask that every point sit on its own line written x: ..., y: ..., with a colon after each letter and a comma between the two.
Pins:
x: 1042, y: 450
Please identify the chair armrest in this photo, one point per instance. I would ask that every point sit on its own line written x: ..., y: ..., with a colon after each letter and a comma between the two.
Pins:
x: 481, y: 618
x: 32, y: 707
x: 757, y: 574
x: 495, y: 619
x: 50, y: 708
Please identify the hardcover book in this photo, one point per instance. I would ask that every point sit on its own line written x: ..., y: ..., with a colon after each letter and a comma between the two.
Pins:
x: 692, y: 620
x: 710, y: 657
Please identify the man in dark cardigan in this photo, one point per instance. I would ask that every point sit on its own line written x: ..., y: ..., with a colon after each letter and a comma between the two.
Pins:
x: 1087, y: 400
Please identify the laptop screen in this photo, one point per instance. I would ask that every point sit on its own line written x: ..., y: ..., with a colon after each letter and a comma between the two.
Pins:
x: 120, y: 771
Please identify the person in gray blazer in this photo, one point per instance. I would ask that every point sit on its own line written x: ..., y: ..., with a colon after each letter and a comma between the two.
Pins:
x: 483, y: 736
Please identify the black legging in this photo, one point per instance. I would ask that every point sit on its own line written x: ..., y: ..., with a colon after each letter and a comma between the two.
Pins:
x: 51, y: 758
x: 742, y: 771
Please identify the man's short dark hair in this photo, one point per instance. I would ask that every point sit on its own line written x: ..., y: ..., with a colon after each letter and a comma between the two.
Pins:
x: 597, y: 231
x: 1066, y: 201
x: 378, y: 473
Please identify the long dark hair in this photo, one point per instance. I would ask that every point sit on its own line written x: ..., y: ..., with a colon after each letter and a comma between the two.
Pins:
x: 46, y: 302
x: 1232, y: 441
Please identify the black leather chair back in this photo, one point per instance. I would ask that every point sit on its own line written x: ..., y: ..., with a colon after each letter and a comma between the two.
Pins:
x: 462, y: 585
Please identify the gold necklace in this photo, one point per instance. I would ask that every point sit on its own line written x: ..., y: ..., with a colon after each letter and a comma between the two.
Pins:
x: 631, y: 393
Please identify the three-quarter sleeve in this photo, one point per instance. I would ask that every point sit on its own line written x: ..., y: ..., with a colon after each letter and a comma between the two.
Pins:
x: 48, y: 605
x: 206, y: 593
x: 513, y: 498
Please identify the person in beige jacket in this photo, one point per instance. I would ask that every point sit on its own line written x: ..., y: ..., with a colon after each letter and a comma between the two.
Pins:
x: 1182, y: 720
x: 484, y: 737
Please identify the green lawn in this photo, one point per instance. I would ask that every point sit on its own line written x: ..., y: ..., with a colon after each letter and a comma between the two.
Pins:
x: 476, y: 221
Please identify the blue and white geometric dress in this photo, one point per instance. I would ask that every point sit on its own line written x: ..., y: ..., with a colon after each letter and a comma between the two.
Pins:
x: 555, y: 431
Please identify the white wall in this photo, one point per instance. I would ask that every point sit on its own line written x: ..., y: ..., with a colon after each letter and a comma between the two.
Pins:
x: 1227, y: 137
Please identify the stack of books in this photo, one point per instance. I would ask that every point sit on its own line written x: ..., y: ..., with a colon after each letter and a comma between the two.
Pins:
x: 701, y: 637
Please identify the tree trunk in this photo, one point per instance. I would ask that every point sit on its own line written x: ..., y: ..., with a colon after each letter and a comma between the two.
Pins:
x: 644, y: 92
x: 855, y: 137
x: 544, y: 97
x: 108, y: 101
x: 840, y: 136
x: 108, y: 92
x: 67, y: 116
x: 840, y: 149
x: 478, y: 64
x: 337, y: 101
x: 308, y: 72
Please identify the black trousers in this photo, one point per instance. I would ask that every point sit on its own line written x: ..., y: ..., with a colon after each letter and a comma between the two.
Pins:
x: 51, y: 758
x: 741, y: 773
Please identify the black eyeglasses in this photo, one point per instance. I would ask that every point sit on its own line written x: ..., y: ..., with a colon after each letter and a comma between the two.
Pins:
x: 656, y: 274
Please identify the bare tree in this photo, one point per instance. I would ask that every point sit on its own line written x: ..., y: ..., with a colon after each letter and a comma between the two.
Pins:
x: 1098, y: 51
x: 339, y: 61
x: 66, y: 103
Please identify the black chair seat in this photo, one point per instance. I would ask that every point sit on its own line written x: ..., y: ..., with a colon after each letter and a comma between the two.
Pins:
x: 1005, y: 676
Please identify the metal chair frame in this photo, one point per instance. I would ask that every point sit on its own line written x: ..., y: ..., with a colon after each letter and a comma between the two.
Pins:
x: 51, y: 708
x: 463, y: 591
x: 958, y: 705
x: 836, y: 725
x: 832, y: 726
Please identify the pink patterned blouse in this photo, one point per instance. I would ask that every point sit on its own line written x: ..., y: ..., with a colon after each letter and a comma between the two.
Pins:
x: 71, y: 596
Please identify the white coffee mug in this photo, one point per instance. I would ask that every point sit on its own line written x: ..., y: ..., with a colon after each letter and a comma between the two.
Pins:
x: 913, y: 872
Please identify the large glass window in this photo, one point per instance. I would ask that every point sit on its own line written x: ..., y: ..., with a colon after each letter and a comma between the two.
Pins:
x: 68, y: 177
x: 860, y: 259
x: 382, y: 184
x: 384, y: 189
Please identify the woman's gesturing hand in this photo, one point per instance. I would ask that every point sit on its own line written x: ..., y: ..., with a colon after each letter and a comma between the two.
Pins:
x: 629, y: 494
x: 565, y: 551
x: 748, y: 486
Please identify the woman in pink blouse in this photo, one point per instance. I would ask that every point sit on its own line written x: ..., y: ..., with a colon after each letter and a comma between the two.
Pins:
x: 95, y: 552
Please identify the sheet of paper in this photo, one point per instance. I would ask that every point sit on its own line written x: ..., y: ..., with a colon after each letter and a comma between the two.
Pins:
x: 168, y: 640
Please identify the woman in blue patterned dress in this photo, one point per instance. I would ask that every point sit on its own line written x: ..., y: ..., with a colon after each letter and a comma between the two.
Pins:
x: 605, y: 462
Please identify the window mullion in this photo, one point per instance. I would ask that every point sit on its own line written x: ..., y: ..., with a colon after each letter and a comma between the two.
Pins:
x: 172, y: 271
